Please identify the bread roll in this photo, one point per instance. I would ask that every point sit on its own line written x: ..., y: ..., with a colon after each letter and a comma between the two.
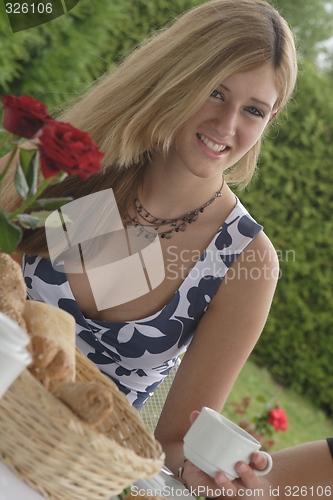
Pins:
x: 12, y: 289
x: 91, y: 401
x: 52, y: 331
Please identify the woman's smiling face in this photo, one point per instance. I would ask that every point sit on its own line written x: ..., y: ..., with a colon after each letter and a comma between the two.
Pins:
x: 228, y: 124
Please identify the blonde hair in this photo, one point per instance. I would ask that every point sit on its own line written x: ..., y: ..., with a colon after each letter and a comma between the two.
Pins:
x: 136, y: 110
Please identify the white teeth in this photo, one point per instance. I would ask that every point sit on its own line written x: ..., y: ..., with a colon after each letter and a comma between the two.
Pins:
x: 211, y: 145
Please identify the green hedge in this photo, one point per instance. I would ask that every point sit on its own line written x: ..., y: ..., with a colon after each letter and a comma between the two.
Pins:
x: 292, y: 196
x: 55, y: 61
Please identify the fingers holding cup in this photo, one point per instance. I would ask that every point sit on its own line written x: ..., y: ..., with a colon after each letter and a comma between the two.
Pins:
x: 214, y: 443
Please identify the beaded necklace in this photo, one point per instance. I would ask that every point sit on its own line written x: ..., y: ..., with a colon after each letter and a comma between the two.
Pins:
x: 176, y: 224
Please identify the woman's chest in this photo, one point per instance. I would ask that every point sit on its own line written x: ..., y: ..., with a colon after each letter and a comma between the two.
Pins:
x: 142, y: 286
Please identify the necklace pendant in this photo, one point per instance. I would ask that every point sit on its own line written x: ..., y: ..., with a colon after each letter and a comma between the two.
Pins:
x: 193, y: 218
x: 182, y: 227
x: 174, y: 223
x: 167, y: 235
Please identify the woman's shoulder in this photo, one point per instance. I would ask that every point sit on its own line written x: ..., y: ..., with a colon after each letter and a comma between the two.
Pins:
x: 238, y: 229
x: 252, y: 244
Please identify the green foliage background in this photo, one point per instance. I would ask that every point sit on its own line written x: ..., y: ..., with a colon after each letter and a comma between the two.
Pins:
x: 292, y: 193
x: 292, y: 198
x: 55, y: 61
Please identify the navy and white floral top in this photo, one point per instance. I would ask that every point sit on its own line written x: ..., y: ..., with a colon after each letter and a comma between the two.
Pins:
x: 139, y: 354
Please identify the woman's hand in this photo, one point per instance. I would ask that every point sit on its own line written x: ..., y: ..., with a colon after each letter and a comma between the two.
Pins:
x: 203, y: 485
x: 247, y: 478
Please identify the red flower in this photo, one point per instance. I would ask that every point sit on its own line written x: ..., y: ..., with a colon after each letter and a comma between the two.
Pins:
x: 63, y: 147
x: 278, y: 419
x: 24, y: 116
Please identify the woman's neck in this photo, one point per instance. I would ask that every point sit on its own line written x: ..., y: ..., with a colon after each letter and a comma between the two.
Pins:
x: 167, y: 194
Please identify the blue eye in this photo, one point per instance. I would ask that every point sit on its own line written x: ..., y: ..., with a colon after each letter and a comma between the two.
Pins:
x: 255, y: 111
x: 217, y: 95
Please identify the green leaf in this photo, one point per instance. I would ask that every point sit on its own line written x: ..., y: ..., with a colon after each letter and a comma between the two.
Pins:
x: 32, y: 174
x: 54, y: 222
x: 10, y: 234
x: 28, y: 221
x: 21, y: 184
x: 261, y: 398
x: 51, y: 203
x: 26, y: 157
x: 29, y: 162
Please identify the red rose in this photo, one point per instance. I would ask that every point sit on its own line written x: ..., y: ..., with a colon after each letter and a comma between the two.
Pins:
x: 278, y: 419
x: 24, y: 116
x: 64, y: 148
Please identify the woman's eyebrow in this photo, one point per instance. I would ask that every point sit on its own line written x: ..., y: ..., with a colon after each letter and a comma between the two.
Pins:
x: 224, y: 87
x: 263, y: 103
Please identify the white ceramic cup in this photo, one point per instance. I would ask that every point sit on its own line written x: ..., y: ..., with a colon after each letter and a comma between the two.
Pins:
x: 14, y: 357
x: 11, y: 345
x: 213, y: 443
x: 12, y: 332
x: 11, y: 366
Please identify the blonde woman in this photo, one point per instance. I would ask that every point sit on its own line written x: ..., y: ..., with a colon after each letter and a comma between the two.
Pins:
x: 180, y: 121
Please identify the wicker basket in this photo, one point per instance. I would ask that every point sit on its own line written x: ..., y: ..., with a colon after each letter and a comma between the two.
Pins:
x: 63, y: 458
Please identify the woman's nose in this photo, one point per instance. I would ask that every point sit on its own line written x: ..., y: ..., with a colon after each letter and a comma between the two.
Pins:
x: 226, y: 122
